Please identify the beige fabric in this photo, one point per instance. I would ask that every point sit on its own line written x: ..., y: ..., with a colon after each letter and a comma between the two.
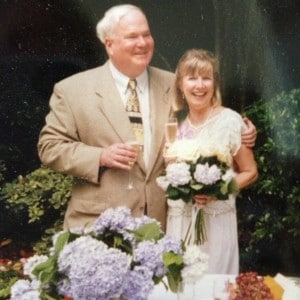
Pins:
x: 86, y: 115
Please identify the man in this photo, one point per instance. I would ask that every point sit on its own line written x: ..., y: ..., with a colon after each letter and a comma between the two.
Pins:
x: 88, y: 127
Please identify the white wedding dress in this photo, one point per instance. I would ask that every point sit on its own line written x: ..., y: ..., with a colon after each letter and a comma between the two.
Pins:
x: 220, y: 216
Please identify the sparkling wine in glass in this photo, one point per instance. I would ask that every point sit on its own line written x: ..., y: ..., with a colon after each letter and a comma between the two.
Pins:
x: 137, y: 148
x: 171, y: 130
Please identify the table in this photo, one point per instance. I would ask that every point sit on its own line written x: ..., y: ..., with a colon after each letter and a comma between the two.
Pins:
x: 203, y: 289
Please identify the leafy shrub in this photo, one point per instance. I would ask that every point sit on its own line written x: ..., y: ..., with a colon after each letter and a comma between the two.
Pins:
x: 275, y: 216
x: 38, y: 202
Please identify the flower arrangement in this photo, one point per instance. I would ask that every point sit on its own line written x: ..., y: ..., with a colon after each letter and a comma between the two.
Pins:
x: 119, y: 256
x: 198, y: 169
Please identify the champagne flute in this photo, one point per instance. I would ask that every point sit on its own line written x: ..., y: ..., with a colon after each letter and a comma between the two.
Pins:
x: 137, y: 148
x: 171, y: 130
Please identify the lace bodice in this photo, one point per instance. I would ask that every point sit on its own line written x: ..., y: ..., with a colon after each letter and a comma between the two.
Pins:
x: 224, y: 129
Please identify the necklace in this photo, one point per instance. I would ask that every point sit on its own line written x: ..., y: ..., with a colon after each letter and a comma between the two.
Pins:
x: 203, y: 122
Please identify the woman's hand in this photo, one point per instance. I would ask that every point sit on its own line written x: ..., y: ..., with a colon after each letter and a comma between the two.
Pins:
x: 202, y: 200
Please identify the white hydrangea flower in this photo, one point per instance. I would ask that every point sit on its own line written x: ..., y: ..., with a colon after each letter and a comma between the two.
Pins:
x: 32, y: 262
x: 229, y: 175
x: 163, y: 182
x: 178, y: 173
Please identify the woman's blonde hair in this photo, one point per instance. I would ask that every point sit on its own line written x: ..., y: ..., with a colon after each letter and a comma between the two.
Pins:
x: 196, y: 61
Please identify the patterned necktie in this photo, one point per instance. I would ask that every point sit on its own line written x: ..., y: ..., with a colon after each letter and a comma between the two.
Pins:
x: 134, y: 114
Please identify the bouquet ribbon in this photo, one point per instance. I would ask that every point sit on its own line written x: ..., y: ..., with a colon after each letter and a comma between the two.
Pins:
x: 196, y: 233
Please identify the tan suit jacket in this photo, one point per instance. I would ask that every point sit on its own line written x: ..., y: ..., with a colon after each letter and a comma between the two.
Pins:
x: 87, y: 115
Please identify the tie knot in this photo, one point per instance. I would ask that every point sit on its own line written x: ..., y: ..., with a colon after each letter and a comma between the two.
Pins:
x: 132, y: 84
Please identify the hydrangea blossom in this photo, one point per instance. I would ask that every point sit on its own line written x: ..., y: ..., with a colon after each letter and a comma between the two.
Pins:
x: 196, y: 263
x: 143, y: 220
x: 229, y: 175
x: 31, y: 263
x: 138, y: 283
x: 88, y: 266
x: 149, y: 255
x: 163, y: 182
x: 207, y: 174
x: 178, y: 173
x: 170, y: 244
x: 25, y: 290
x: 117, y: 220
x: 94, y: 271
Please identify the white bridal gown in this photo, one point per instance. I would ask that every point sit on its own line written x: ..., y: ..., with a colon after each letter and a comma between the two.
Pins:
x: 220, y: 216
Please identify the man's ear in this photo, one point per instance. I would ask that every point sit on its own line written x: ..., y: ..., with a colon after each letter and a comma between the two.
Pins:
x: 108, y: 46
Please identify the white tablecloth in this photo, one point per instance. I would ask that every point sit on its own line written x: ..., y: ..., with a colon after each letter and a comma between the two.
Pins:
x: 203, y: 289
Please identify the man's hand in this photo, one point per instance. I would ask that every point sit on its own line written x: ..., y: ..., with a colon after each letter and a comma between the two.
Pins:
x: 119, y: 156
x: 249, y: 135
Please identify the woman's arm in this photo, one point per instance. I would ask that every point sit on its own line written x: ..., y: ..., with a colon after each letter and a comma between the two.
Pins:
x: 245, y: 166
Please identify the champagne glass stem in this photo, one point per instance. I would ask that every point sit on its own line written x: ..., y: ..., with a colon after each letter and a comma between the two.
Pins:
x: 130, y: 182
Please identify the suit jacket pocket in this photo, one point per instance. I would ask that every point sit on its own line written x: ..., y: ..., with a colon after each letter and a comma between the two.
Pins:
x: 90, y: 207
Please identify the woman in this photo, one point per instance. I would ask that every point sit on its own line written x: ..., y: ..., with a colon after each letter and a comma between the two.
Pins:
x: 203, y: 118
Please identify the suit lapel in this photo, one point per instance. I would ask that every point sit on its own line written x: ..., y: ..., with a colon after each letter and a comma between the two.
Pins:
x: 111, y: 105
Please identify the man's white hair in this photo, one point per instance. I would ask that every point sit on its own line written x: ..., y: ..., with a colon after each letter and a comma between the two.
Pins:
x: 111, y: 18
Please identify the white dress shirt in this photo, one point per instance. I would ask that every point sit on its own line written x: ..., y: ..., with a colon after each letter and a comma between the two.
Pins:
x: 121, y: 82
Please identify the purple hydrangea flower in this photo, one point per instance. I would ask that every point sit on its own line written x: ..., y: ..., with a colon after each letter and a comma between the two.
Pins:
x: 170, y: 244
x: 116, y: 219
x: 138, y: 284
x: 94, y: 271
x: 150, y: 255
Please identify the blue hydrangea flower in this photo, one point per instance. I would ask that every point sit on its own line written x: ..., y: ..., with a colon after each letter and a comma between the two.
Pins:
x: 150, y: 255
x: 138, y: 284
x: 117, y: 220
x: 94, y: 271
x: 170, y: 244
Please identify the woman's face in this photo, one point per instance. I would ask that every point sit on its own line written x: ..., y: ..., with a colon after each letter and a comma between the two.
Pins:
x: 198, y: 89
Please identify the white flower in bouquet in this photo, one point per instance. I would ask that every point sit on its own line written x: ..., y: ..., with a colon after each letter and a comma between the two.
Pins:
x: 207, y: 174
x: 199, y: 169
x: 178, y: 174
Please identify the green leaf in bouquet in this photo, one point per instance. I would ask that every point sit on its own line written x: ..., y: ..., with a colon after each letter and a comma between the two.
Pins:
x: 197, y: 186
x: 150, y: 231
x: 233, y: 187
x: 224, y: 188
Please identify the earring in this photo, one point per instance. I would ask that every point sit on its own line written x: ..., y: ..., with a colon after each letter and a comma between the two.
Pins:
x: 182, y: 96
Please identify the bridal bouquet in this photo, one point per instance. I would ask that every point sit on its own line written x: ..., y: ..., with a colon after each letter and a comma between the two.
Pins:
x: 198, y: 169
x: 119, y: 257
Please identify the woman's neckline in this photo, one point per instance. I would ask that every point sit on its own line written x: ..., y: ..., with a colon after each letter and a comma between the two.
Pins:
x: 215, y: 111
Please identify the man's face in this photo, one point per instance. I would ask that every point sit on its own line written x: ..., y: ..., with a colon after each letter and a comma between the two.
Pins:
x: 130, y: 46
